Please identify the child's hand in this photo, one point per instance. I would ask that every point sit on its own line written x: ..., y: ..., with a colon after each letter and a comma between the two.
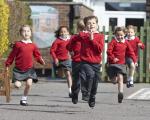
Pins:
x: 91, y: 35
x: 139, y: 44
x: 116, y: 60
x: 6, y: 69
x: 136, y: 64
x: 43, y: 62
x: 72, y: 53
x: 56, y: 61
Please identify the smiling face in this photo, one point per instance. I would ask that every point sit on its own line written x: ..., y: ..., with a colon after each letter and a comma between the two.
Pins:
x: 64, y: 32
x: 91, y: 25
x: 25, y: 32
x: 120, y: 35
x: 130, y: 32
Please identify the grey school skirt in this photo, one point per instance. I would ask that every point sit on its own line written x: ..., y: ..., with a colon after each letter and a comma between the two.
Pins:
x: 19, y: 75
x: 114, y: 69
x: 66, y: 65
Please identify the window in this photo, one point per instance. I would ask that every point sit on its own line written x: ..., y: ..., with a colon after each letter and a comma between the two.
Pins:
x: 45, y: 23
x: 113, y: 23
x: 124, y: 6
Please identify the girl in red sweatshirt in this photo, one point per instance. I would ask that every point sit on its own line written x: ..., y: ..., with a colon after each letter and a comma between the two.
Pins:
x: 116, y: 52
x: 23, y: 52
x: 135, y: 43
x: 60, y: 54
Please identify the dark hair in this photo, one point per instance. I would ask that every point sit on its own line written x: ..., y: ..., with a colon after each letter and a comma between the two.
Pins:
x: 119, y: 29
x: 86, y: 19
x: 25, y: 25
x: 57, y: 32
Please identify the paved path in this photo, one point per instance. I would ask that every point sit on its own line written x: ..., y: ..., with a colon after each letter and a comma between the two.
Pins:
x: 49, y: 100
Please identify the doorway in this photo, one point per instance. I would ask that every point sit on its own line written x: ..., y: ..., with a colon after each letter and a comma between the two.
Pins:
x: 135, y: 22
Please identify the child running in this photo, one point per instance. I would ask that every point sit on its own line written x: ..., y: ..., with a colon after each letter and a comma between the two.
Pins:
x: 60, y: 54
x: 23, y: 52
x: 74, y: 47
x: 135, y: 43
x: 92, y: 43
x: 117, y: 49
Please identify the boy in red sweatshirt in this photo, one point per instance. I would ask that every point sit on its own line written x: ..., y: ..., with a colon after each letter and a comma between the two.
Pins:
x: 92, y: 43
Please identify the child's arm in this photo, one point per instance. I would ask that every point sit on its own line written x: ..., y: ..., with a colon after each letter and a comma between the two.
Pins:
x: 130, y: 52
x: 98, y: 42
x: 110, y: 54
x: 37, y: 56
x: 11, y: 56
x: 140, y: 44
x: 53, y: 54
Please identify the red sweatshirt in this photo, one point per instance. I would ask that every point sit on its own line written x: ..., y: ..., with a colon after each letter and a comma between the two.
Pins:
x: 23, y: 54
x: 74, y: 46
x: 58, y: 49
x: 91, y: 50
x: 134, y: 43
x: 118, y: 50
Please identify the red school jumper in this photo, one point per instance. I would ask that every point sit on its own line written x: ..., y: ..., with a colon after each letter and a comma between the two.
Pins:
x: 74, y: 46
x: 118, y: 50
x: 134, y: 44
x: 91, y: 50
x: 23, y: 54
x: 58, y: 50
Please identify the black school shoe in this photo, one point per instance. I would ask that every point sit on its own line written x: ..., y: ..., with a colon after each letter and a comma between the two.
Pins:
x: 85, y: 98
x: 23, y: 103
x: 91, y: 102
x: 35, y: 80
x: 70, y: 95
x: 74, y: 99
x: 128, y: 84
x: 120, y: 97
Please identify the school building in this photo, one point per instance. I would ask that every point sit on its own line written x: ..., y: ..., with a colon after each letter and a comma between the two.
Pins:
x: 46, y: 17
x: 118, y: 12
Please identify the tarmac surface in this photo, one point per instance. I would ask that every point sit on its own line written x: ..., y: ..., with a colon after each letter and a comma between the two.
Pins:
x: 48, y: 100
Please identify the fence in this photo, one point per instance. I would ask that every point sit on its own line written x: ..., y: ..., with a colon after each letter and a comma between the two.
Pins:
x: 142, y: 73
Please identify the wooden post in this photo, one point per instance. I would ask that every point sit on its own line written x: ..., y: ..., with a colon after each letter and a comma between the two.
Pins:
x: 103, y: 58
x: 147, y: 54
x: 140, y: 76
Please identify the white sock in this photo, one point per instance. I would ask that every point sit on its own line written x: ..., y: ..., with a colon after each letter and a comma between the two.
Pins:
x: 24, y: 98
x: 131, y: 80
x: 70, y: 90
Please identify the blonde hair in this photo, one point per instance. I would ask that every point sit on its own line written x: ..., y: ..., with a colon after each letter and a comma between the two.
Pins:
x: 25, y: 25
x: 131, y: 27
x: 80, y: 25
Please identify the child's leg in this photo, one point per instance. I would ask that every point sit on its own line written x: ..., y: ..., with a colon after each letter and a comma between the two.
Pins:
x: 131, y: 74
x: 114, y: 80
x: 120, y: 87
x: 75, y: 82
x: 17, y: 84
x: 26, y: 91
x: 27, y: 87
x: 69, y: 80
x: 120, y: 83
